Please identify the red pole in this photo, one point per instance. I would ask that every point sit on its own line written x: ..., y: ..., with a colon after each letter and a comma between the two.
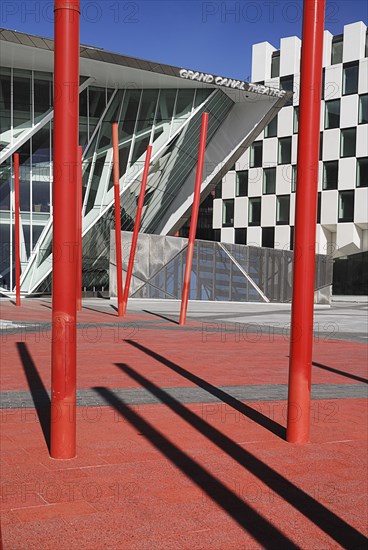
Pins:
x: 136, y: 227
x: 119, y: 260
x: 64, y: 256
x: 79, y: 230
x: 193, y: 220
x: 300, y: 367
x: 17, y: 229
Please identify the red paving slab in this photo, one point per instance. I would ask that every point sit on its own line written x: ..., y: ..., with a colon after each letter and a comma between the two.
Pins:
x: 199, y: 476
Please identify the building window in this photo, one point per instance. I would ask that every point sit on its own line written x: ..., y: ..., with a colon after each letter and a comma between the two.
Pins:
x: 287, y: 84
x: 362, y: 172
x: 254, y: 211
x: 330, y: 175
x: 268, y: 237
x: 217, y: 235
x: 241, y: 235
x: 293, y: 178
x: 283, y: 210
x: 269, y: 181
x: 332, y: 114
x: 218, y: 190
x: 320, y: 145
x: 363, y: 109
x: 291, y: 237
x: 256, y: 154
x: 275, y: 64
x: 228, y: 213
x: 348, y: 142
x: 271, y: 128
x: 336, y: 52
x: 319, y: 207
x: 296, y: 120
x: 350, y: 78
x: 284, y: 150
x: 346, y: 206
x: 241, y: 183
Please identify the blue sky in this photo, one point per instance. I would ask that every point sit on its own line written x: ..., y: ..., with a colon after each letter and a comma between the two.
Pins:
x: 212, y: 36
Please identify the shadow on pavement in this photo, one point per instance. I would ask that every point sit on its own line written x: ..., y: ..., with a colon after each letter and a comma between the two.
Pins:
x: 41, y: 398
x: 335, y: 527
x: 249, y: 412
x: 249, y: 519
x: 341, y: 372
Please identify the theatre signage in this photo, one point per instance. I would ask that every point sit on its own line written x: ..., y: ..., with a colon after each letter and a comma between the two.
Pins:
x: 230, y: 83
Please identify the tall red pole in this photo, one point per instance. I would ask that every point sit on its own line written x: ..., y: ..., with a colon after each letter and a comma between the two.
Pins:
x: 64, y: 251
x: 193, y: 220
x: 79, y: 230
x: 137, y: 224
x: 300, y: 367
x: 17, y: 228
x: 119, y: 260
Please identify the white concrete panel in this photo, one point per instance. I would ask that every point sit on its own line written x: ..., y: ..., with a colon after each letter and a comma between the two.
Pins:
x: 323, y: 237
x: 292, y: 208
x: 241, y: 212
x: 268, y: 211
x: 347, y: 173
x: 289, y: 55
x: 270, y: 152
x: 273, y: 82
x: 333, y: 80
x: 364, y: 241
x: 217, y: 214
x: 331, y: 144
x: 363, y: 76
x: 348, y: 238
x: 283, y: 179
x: 228, y: 185
x: 255, y: 177
x: 261, y: 61
x: 228, y: 235
x: 329, y: 205
x: 320, y: 175
x: 254, y: 236
x: 243, y: 162
x: 349, y: 111
x: 361, y: 207
x: 294, y: 149
x: 285, y: 121
x: 282, y: 237
x: 354, y: 41
x: 362, y: 141
x: 327, y: 46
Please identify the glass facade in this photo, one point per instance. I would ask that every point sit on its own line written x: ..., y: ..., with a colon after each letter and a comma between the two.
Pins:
x: 26, y: 101
x: 26, y: 104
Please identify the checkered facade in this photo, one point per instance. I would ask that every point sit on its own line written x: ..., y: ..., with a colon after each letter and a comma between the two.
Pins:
x: 255, y: 202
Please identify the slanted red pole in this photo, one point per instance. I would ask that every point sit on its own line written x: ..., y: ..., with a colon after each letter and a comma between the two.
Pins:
x: 119, y: 260
x: 298, y: 418
x: 64, y: 248
x: 17, y: 228
x: 79, y: 230
x: 193, y: 220
x: 137, y: 224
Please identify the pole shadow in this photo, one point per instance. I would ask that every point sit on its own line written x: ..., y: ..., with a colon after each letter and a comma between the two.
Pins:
x: 340, y: 372
x: 244, y: 409
x: 161, y: 316
x: 40, y: 397
x: 99, y: 311
x: 335, y: 527
x: 249, y: 519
